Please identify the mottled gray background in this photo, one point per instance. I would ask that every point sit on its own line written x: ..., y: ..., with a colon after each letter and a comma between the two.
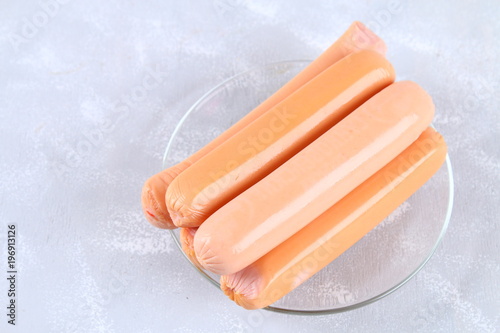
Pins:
x: 77, y: 140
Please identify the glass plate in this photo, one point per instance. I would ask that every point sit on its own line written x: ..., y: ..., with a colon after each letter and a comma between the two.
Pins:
x: 381, y: 262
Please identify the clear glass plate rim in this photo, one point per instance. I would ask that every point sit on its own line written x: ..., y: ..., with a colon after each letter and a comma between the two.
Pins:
x: 309, y: 312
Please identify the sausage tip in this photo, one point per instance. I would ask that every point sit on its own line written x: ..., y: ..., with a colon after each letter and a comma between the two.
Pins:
x: 364, y: 38
x: 242, y: 288
x: 152, y: 210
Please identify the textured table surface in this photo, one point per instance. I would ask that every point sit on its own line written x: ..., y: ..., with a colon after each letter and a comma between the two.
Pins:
x: 81, y: 128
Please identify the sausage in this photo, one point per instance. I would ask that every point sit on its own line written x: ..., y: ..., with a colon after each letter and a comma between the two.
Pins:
x: 357, y: 37
x: 187, y: 239
x: 273, y: 138
x: 314, y: 179
x: 316, y: 245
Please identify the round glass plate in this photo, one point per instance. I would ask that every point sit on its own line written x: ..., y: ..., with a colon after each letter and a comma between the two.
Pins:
x: 381, y: 262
